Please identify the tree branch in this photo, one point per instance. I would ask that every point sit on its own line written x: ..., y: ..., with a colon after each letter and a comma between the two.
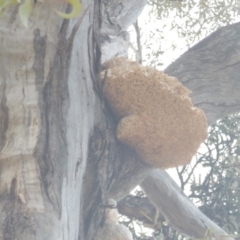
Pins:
x: 183, y: 215
x: 211, y: 70
x: 139, y: 45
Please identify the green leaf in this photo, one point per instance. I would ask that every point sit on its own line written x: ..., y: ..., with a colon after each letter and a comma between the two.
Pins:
x: 75, y: 12
x: 24, y: 12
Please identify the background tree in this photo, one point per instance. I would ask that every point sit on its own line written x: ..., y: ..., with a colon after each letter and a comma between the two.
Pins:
x: 214, y: 188
x: 192, y: 21
x: 169, y: 28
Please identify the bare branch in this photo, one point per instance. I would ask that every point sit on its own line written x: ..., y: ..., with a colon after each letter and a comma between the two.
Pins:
x: 183, y: 215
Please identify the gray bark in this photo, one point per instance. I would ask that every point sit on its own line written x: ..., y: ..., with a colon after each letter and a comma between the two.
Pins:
x: 117, y: 17
x: 176, y: 207
x: 211, y: 70
x: 47, y: 117
x: 59, y: 156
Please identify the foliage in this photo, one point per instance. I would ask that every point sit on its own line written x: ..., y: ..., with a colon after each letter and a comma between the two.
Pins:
x: 218, y: 193
x: 171, y: 28
x: 215, y: 188
x: 25, y: 9
x: 175, y: 25
x: 75, y: 12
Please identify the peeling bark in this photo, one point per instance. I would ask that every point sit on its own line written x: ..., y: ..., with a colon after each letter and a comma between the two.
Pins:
x: 47, y: 97
x: 52, y: 179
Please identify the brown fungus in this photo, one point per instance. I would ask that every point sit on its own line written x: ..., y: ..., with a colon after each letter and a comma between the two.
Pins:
x: 156, y: 114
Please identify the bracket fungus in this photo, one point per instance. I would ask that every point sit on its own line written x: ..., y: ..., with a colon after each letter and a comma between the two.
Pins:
x: 112, y: 229
x: 156, y: 115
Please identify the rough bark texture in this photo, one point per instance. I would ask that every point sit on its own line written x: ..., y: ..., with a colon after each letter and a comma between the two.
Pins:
x: 59, y: 155
x: 117, y: 17
x: 47, y: 117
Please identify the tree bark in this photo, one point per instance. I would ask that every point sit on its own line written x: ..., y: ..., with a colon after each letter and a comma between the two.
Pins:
x: 176, y: 207
x: 47, y: 117
x: 59, y: 156
x: 198, y: 70
x: 210, y: 69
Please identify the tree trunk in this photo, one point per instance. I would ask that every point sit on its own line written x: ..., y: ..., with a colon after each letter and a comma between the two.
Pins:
x: 56, y: 133
x: 48, y: 108
x: 59, y: 156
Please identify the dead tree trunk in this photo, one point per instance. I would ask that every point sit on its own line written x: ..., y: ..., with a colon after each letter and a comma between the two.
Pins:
x: 54, y: 124
x: 48, y: 107
x: 59, y: 156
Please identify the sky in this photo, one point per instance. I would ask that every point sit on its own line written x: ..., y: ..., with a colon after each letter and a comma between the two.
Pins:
x: 173, y: 34
x: 178, y: 29
x: 174, y: 27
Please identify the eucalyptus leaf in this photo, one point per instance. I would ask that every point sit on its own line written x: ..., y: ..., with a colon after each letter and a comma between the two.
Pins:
x: 24, y: 11
x: 76, y: 5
